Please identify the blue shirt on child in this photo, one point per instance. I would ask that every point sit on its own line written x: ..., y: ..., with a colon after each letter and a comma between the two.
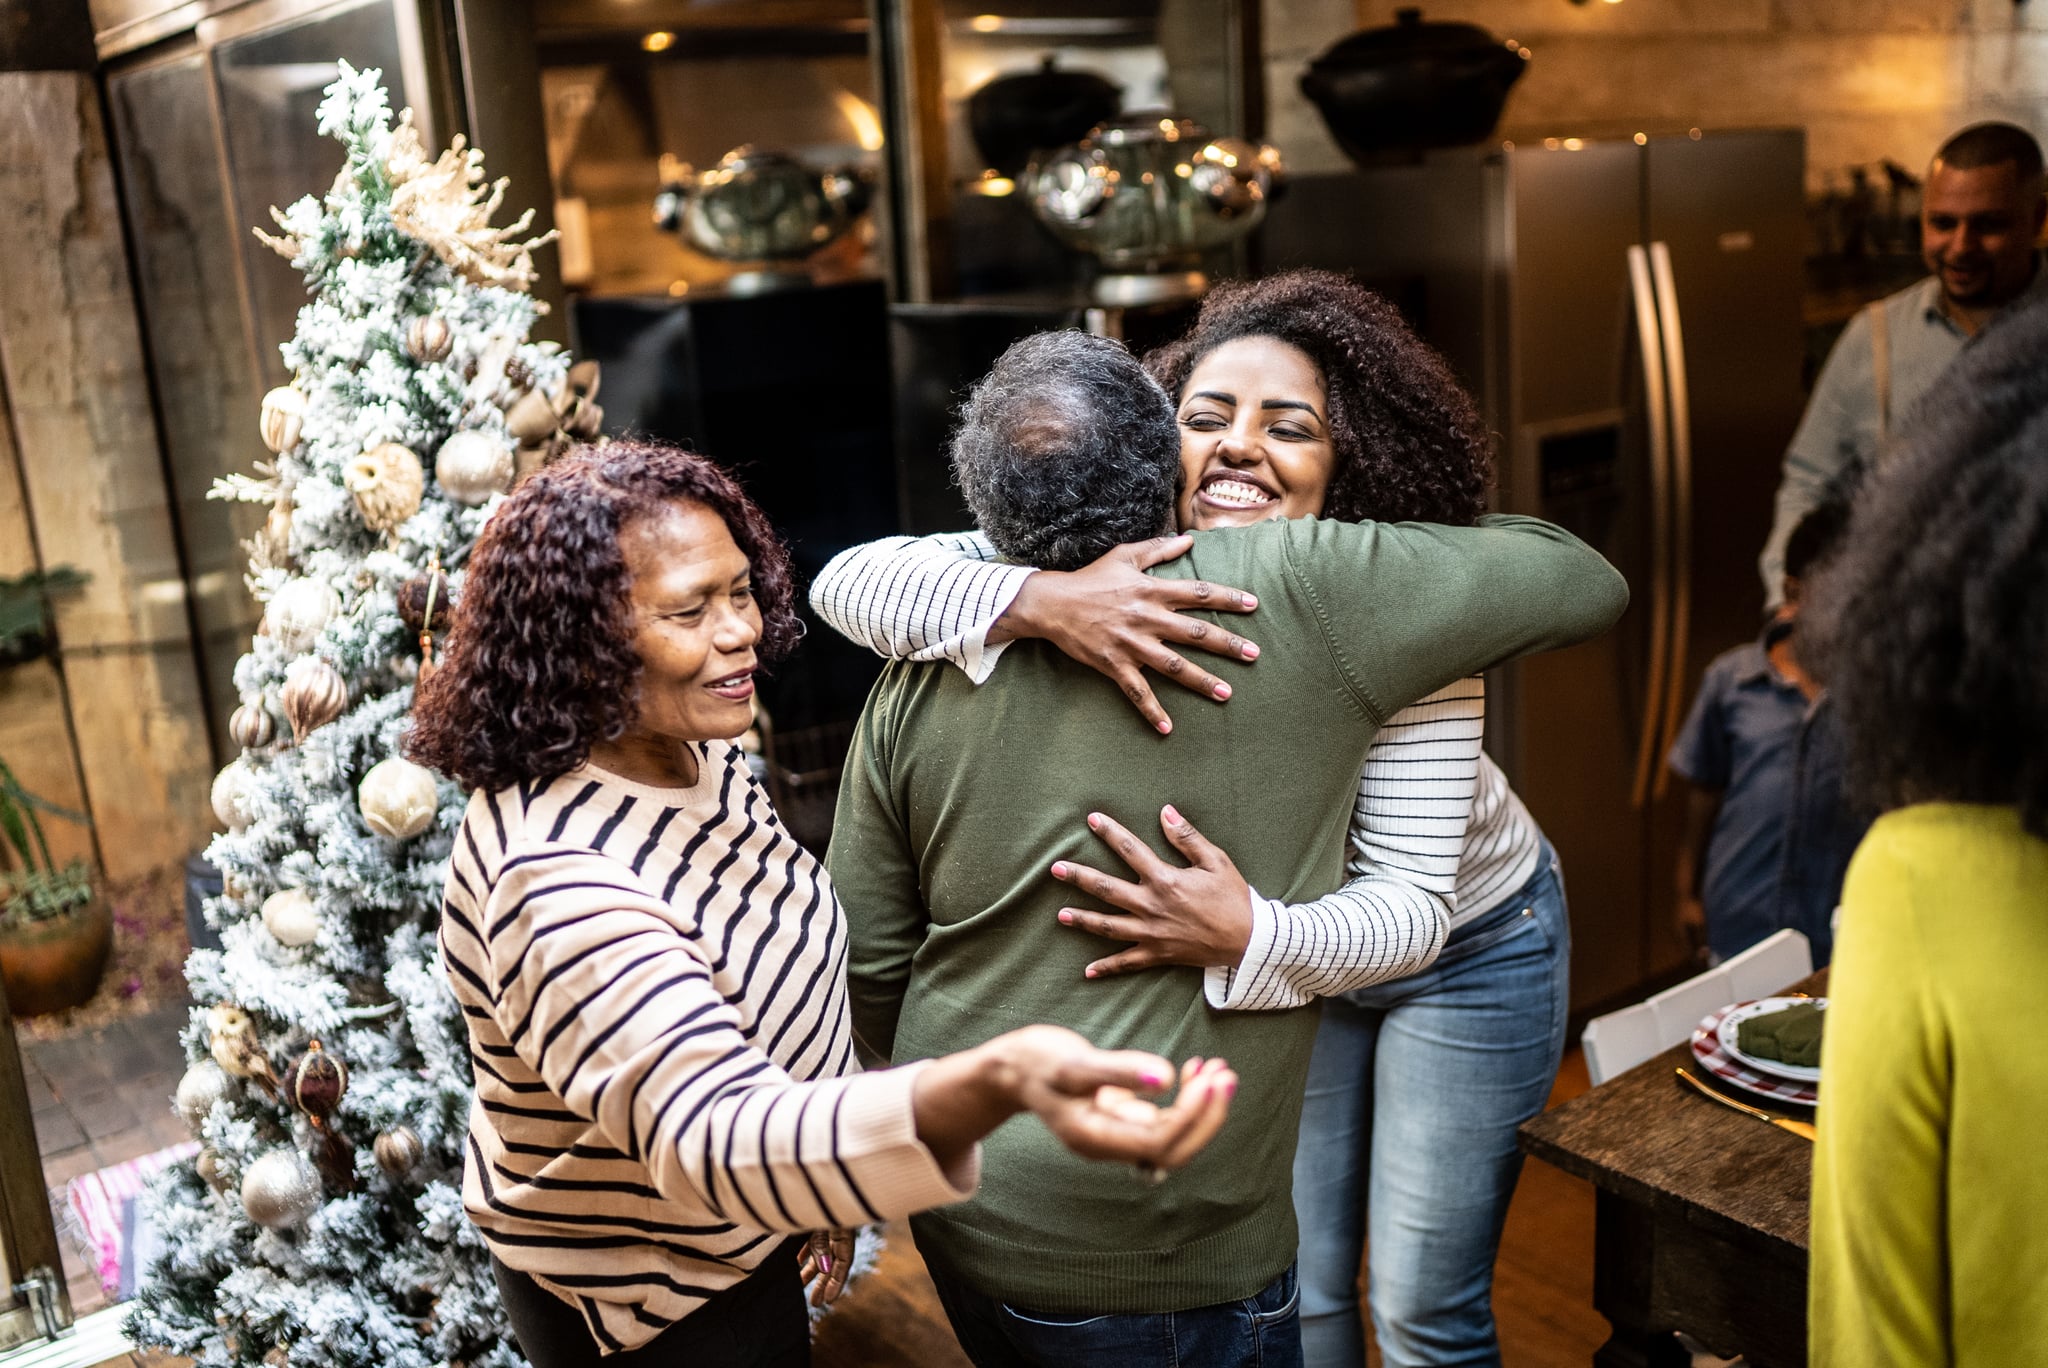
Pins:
x: 1784, y: 833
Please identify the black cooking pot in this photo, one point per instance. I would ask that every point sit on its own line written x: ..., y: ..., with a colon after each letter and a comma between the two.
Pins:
x: 1412, y: 85
x: 1034, y: 111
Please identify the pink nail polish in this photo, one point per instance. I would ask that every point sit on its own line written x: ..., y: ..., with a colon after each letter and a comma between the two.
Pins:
x: 1251, y: 601
x: 1066, y: 919
x: 1094, y: 821
x: 1230, y: 1088
x: 1172, y: 814
x: 1251, y: 651
x: 1153, y: 1079
x: 1222, y: 690
x: 1059, y: 867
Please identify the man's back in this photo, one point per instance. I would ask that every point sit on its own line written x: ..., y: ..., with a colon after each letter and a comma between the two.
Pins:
x: 957, y: 799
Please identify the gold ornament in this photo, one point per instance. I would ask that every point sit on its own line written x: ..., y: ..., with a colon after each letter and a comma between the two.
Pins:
x: 314, y: 694
x: 298, y: 611
x: 546, y: 426
x: 399, y: 1151
x: 284, y: 418
x: 398, y: 798
x: 204, y: 1084
x: 231, y: 1035
x: 429, y: 339
x: 270, y: 547
x: 472, y: 465
x: 232, y: 790
x: 208, y: 1166
x: 252, y: 726
x: 387, y: 483
x: 444, y: 203
x: 289, y: 915
x: 280, y: 1189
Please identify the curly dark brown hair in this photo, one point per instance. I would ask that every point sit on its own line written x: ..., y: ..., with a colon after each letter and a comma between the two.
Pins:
x: 1930, y: 624
x: 1408, y: 440
x: 540, y: 661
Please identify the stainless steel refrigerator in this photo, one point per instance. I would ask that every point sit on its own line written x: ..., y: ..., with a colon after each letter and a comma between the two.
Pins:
x: 1628, y: 314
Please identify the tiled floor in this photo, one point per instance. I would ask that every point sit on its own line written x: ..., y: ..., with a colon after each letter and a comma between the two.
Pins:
x: 102, y: 1097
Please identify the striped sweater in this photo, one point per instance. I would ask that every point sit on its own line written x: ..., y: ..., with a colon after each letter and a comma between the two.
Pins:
x: 1438, y: 838
x: 655, y: 986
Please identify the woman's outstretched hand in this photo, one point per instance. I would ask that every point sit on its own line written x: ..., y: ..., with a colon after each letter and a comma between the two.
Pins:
x: 1113, y: 617
x: 1094, y: 1101
x: 1200, y: 914
x: 828, y: 1256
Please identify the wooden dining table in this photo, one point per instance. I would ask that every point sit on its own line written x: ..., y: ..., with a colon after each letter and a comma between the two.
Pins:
x: 1700, y: 1213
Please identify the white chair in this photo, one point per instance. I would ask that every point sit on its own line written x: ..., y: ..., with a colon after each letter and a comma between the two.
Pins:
x: 1619, y: 1041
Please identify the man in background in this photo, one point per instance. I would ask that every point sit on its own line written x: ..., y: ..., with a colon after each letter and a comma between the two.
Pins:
x: 1981, y: 213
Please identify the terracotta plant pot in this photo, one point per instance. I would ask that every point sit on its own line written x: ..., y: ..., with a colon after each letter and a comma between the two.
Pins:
x: 50, y: 965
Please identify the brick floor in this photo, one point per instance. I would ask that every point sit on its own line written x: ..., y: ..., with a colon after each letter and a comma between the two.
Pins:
x: 101, y: 1098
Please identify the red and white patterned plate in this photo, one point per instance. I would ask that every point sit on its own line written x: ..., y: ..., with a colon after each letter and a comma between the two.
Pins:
x: 1714, y: 1057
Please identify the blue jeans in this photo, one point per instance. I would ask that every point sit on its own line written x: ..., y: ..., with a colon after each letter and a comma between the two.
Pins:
x: 1261, y: 1331
x: 1408, y: 1126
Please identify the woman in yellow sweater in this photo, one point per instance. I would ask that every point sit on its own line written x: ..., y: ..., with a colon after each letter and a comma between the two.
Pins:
x: 1930, y: 1195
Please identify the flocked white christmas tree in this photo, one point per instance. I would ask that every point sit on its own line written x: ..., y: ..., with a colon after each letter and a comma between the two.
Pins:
x: 322, y: 1221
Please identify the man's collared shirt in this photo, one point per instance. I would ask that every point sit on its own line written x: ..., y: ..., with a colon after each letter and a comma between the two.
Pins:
x: 1784, y: 833
x: 1840, y: 428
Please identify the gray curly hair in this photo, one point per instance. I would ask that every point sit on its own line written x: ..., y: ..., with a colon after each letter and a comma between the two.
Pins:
x: 1066, y: 449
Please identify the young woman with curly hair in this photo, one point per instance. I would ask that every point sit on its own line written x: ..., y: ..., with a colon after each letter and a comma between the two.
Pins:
x: 1931, y: 629
x: 1443, y: 964
x: 653, y: 971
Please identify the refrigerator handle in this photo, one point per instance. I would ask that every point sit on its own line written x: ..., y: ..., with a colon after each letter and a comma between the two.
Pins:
x: 1681, y: 479
x: 1652, y: 352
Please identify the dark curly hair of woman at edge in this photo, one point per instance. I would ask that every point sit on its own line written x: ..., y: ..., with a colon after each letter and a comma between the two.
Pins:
x: 1931, y: 624
x: 1409, y: 441
x: 523, y: 693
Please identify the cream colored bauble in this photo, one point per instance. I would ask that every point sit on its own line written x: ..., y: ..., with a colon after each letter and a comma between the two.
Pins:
x: 252, y: 726
x: 398, y: 798
x: 204, y: 1084
x: 280, y: 1189
x: 284, y: 417
x: 313, y: 695
x: 429, y: 339
x: 231, y: 794
x: 289, y: 915
x: 387, y: 482
x: 297, y: 612
x: 472, y: 465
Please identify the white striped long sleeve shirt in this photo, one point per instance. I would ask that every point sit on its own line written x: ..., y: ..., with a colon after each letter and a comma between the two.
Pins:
x: 654, y: 982
x: 1438, y: 838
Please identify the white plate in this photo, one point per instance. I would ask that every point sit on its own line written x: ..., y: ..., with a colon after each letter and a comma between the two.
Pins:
x: 1762, y: 1007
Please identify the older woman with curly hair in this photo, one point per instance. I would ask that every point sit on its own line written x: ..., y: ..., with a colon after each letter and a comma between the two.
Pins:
x: 1931, y: 628
x: 1443, y: 964
x: 653, y: 971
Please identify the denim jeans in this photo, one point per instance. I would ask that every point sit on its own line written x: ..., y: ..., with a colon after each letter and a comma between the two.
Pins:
x: 1261, y: 1331
x: 1408, y: 1126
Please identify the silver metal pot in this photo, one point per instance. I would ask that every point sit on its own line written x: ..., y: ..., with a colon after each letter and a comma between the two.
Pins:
x: 757, y: 205
x: 1148, y: 193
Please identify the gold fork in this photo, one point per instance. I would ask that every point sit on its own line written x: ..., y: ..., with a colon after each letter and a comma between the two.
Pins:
x: 1800, y: 1128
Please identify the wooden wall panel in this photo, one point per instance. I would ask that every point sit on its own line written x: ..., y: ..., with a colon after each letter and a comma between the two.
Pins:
x: 92, y: 475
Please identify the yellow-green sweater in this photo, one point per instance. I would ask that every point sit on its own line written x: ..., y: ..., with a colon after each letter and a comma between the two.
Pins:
x: 1930, y: 1180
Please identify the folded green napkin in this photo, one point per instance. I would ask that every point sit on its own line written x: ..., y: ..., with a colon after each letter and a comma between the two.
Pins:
x: 1791, y: 1036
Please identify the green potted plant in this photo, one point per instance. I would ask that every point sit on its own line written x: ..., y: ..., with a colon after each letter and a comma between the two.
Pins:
x: 55, y: 929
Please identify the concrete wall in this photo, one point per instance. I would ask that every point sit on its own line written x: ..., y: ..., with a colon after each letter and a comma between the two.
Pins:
x: 1867, y: 79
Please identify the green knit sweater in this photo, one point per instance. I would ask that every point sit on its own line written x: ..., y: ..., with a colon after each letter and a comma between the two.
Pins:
x: 956, y: 799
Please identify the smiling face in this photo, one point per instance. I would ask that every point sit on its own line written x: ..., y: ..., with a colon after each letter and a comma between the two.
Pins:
x: 695, y: 627
x: 1254, y: 436
x: 1978, y: 229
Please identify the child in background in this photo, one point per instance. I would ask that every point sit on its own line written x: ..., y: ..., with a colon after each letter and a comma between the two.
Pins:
x: 1768, y: 832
